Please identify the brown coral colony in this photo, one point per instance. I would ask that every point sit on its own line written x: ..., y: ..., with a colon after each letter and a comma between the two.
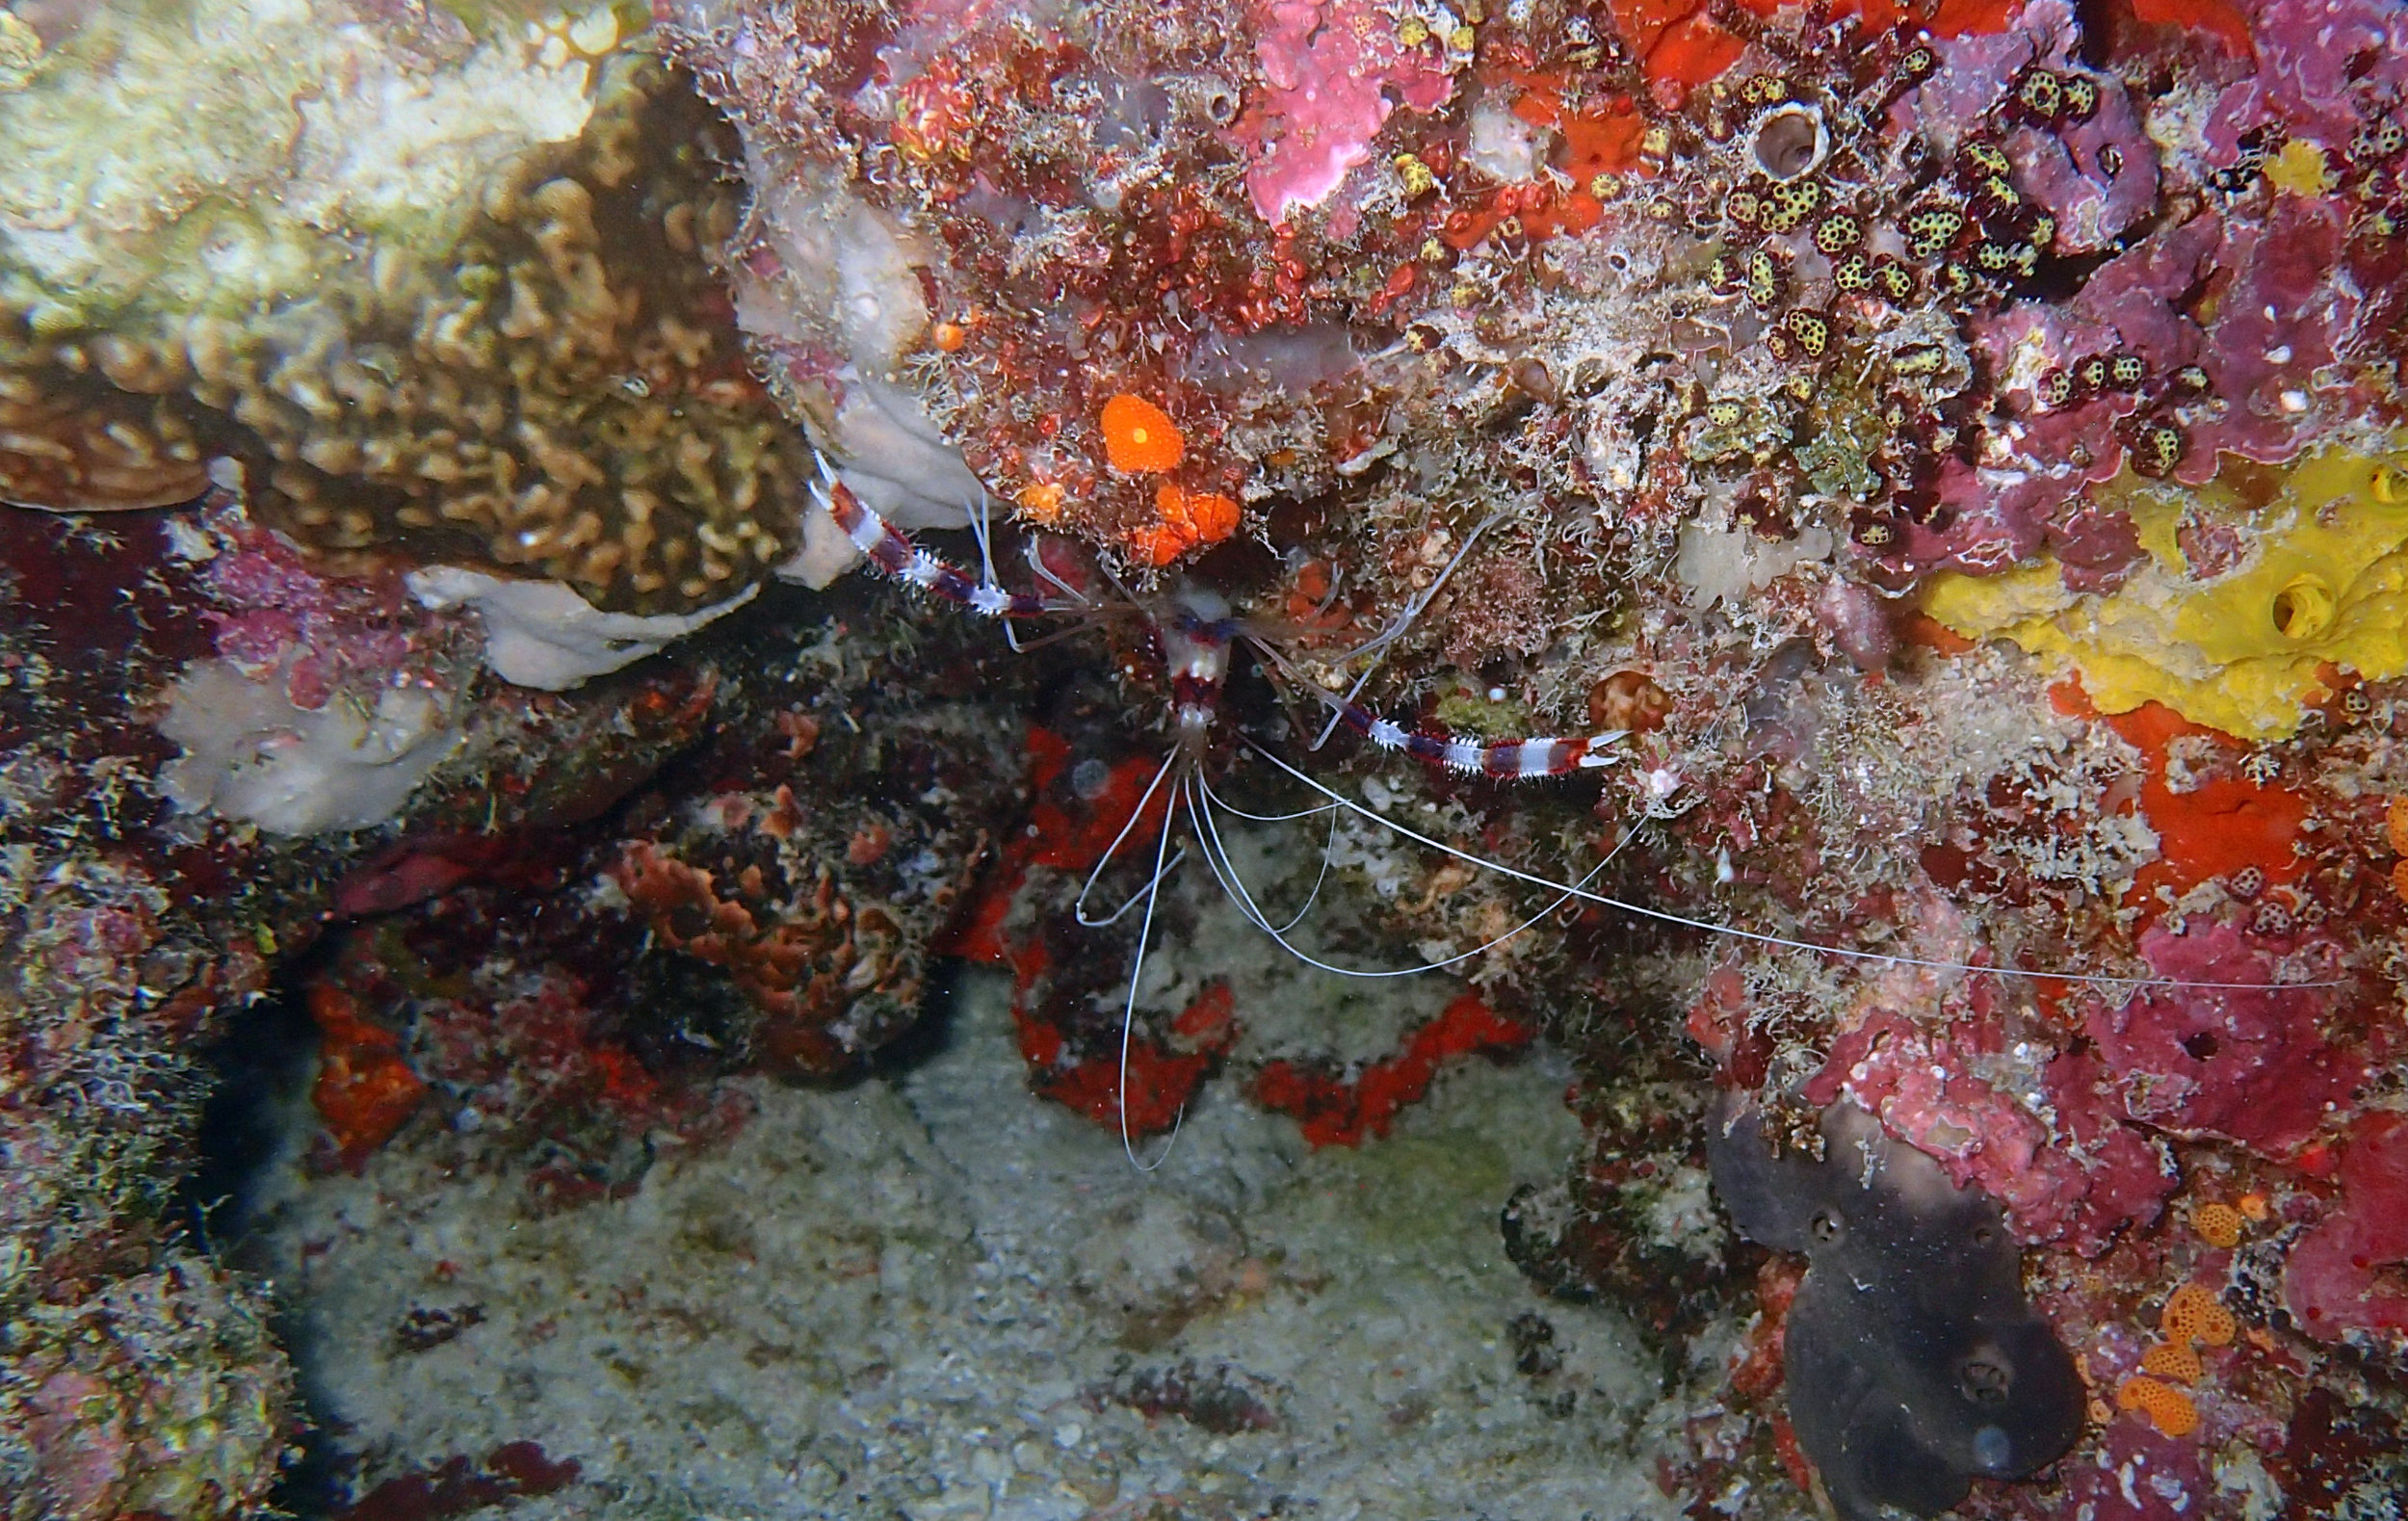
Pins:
x: 562, y: 393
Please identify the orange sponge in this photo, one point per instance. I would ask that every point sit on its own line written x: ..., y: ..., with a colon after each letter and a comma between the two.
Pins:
x: 1139, y: 438
x: 1189, y: 518
x: 2217, y: 1225
x: 2167, y: 1360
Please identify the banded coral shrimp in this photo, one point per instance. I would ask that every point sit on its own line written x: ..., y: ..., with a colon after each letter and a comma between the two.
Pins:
x: 1195, y: 631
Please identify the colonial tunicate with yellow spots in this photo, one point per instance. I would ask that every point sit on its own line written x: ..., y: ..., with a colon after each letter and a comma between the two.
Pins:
x: 1791, y: 205
x: 1762, y: 278
x: 1930, y: 229
x: 1978, y: 159
x: 2157, y: 447
x: 1838, y: 232
x: 1810, y: 331
x: 2041, y: 93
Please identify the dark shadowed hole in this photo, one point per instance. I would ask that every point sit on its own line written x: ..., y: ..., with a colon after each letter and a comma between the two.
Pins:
x: 259, y: 1078
x: 933, y: 1033
x: 1983, y: 1382
x: 256, y: 1074
x: 2201, y: 1045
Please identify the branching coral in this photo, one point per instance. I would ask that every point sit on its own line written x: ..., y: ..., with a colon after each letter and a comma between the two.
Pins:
x: 817, y: 967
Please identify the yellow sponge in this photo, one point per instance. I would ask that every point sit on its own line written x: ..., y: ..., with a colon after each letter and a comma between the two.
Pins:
x: 2322, y: 578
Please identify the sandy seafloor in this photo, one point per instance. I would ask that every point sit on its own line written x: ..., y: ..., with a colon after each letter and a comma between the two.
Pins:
x: 939, y: 1296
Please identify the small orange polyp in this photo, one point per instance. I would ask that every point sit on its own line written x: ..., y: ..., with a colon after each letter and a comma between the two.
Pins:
x: 1139, y: 438
x: 1040, y: 503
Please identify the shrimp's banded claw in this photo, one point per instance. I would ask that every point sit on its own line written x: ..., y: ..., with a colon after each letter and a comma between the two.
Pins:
x: 892, y: 551
x: 1505, y: 760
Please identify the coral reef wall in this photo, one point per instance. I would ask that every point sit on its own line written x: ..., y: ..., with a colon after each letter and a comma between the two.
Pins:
x: 298, y: 299
x: 1957, y: 449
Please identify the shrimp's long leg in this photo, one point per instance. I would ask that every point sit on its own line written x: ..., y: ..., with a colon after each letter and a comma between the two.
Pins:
x: 1376, y: 646
x: 1225, y: 870
x: 1137, y: 970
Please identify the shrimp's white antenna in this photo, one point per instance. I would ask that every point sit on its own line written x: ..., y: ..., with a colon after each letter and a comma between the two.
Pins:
x: 1760, y: 938
x: 1376, y: 647
x: 1225, y: 872
x: 1128, y: 826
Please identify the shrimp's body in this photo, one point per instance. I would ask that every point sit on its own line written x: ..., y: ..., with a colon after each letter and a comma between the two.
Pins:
x: 1196, y: 629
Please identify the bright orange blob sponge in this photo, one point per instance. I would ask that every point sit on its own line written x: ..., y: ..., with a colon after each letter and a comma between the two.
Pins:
x: 1189, y: 518
x: 1139, y: 438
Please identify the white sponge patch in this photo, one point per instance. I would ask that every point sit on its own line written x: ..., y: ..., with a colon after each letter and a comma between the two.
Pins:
x: 543, y: 634
x: 251, y: 754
